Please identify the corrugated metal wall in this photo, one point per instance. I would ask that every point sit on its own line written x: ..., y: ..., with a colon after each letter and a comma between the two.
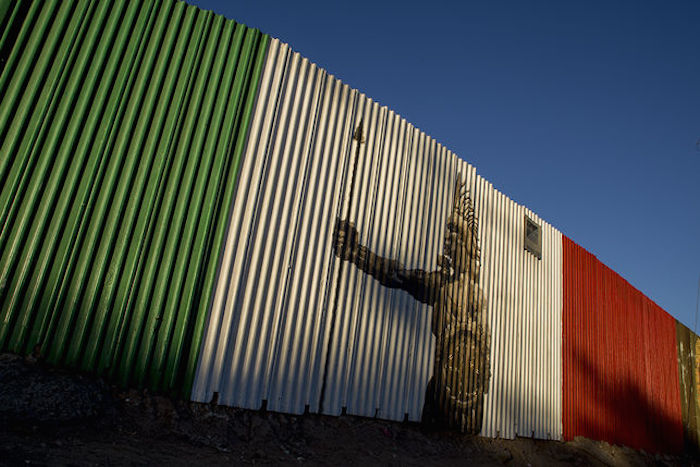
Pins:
x: 621, y: 381
x: 293, y: 325
x: 242, y: 349
x: 175, y: 193
x: 689, y: 374
x: 525, y: 303
x: 121, y: 127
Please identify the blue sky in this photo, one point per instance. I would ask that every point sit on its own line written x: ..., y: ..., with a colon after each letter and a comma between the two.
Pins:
x: 587, y: 112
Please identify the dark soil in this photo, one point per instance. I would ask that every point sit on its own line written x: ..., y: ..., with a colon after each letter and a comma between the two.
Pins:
x: 49, y: 416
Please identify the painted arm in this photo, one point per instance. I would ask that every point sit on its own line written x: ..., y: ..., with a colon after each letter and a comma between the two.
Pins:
x: 422, y: 285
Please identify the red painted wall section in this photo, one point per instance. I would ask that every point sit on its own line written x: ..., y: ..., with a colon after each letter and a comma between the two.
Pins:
x: 619, y: 355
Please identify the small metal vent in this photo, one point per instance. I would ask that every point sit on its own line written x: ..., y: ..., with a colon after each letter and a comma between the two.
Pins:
x: 533, y: 237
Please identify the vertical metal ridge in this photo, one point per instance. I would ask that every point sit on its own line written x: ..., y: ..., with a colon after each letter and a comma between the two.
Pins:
x: 70, y: 118
x: 16, y: 214
x: 12, y: 15
x: 122, y: 122
x: 19, y: 90
x: 169, y: 210
x: 242, y: 100
x: 689, y: 382
x: 621, y: 360
x: 524, y: 318
x: 295, y: 328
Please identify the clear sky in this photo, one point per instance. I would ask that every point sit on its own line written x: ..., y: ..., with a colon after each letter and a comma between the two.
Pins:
x: 587, y: 112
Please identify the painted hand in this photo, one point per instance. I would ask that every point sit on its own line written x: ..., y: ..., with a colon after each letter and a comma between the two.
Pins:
x: 345, y: 240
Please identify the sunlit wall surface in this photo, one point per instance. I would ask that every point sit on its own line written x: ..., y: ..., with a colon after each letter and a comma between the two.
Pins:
x: 621, y: 380
x: 294, y: 325
x: 689, y: 372
x: 121, y: 130
x: 188, y: 205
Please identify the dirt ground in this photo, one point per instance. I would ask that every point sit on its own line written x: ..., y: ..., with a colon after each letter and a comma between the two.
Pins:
x: 52, y: 417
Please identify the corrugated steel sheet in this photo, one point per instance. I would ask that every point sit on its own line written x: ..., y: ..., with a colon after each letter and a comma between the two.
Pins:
x: 621, y: 381
x: 174, y: 188
x: 121, y: 127
x: 525, y: 303
x: 380, y: 347
x: 689, y: 374
x: 263, y: 335
x: 295, y: 328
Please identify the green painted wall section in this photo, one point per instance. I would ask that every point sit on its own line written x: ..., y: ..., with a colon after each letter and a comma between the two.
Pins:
x: 689, y: 374
x: 122, y: 125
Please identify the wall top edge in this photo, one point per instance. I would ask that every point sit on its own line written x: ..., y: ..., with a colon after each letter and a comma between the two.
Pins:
x: 411, y: 127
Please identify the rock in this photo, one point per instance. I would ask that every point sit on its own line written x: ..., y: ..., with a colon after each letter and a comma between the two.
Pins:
x: 31, y: 393
x: 504, y: 455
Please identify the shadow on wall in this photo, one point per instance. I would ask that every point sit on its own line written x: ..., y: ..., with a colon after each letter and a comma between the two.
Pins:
x: 454, y: 396
x: 689, y: 372
x: 619, y: 411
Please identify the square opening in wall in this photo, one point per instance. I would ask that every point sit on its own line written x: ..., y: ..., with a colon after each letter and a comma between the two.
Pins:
x: 533, y: 237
